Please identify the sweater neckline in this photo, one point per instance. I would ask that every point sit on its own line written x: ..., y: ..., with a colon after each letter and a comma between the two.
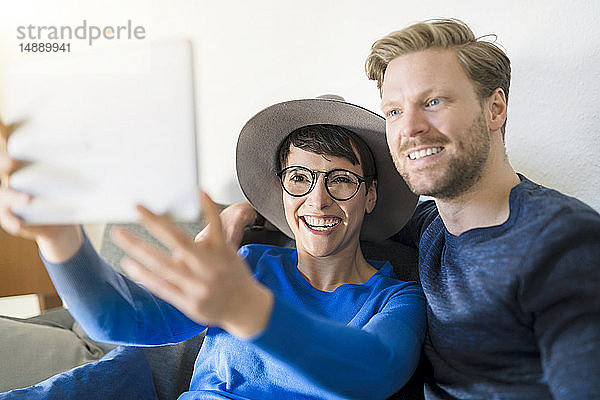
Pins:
x: 384, y: 268
x: 482, y: 233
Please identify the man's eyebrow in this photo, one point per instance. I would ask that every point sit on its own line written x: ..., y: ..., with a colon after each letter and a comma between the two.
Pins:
x: 386, y: 103
x: 383, y: 105
x: 420, y: 95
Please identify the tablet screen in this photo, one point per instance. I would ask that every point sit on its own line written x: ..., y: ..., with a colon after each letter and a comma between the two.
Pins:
x: 104, y: 131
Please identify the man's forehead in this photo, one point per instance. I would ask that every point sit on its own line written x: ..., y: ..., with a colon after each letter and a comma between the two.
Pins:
x: 421, y: 73
x: 431, y: 64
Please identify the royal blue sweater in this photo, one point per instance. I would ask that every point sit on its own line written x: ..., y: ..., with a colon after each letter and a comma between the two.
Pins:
x: 359, y: 341
x: 513, y: 310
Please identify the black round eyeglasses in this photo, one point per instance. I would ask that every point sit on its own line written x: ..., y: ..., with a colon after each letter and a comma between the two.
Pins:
x: 299, y: 181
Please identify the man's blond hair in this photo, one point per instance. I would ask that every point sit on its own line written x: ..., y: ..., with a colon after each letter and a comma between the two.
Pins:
x: 484, y: 62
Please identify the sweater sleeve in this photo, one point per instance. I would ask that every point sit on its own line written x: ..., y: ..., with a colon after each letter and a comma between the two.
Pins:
x: 373, y: 362
x: 562, y: 295
x: 113, y: 308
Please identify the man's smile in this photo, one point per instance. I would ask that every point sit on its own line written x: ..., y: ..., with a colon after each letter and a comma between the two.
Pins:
x: 422, y: 153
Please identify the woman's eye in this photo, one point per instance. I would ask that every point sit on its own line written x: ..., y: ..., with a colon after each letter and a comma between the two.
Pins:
x: 341, y: 179
x: 433, y: 102
x: 298, y: 178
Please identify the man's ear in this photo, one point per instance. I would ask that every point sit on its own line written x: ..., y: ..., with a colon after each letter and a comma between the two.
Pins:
x: 371, y: 197
x: 496, y: 108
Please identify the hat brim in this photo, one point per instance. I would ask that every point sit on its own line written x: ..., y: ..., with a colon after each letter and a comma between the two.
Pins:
x: 256, y: 163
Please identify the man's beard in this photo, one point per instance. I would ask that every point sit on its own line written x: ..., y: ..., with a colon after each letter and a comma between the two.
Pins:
x: 463, y: 170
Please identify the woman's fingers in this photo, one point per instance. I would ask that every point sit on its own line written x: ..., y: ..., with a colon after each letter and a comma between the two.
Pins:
x: 9, y: 197
x: 176, y: 240
x: 193, y: 254
x: 185, y: 294
x: 7, y: 164
x: 214, y: 235
x: 167, y: 289
x: 151, y: 257
x: 9, y: 221
x: 162, y: 228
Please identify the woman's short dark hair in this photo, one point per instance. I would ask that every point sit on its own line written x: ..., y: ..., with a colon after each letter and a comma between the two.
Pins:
x: 331, y: 140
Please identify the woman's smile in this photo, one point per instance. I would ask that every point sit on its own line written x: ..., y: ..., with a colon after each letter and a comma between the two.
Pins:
x: 321, y: 224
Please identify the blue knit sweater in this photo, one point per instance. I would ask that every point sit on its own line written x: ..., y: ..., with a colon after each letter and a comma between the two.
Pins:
x: 513, y: 310
x: 359, y: 341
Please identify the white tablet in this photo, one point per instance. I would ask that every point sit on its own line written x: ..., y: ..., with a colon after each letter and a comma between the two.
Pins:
x: 104, y: 131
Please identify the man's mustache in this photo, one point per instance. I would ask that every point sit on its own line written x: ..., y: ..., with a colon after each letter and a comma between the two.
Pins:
x: 412, y: 143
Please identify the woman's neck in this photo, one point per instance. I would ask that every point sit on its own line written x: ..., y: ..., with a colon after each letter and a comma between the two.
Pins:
x: 329, y: 272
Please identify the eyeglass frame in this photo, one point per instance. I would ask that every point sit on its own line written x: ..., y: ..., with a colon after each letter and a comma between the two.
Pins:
x: 314, y: 174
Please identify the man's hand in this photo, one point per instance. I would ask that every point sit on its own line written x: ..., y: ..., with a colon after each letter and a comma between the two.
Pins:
x: 206, y: 280
x: 233, y: 220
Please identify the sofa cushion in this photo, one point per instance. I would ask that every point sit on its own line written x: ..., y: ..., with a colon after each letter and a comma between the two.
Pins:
x: 172, y: 366
x: 123, y: 373
x: 33, y: 351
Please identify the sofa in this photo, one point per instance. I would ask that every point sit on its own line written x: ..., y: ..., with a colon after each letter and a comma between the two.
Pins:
x: 59, y: 343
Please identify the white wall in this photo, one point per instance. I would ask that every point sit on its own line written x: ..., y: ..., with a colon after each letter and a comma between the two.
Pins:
x: 253, y: 53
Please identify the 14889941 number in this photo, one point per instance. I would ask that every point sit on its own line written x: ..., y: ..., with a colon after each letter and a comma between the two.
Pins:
x: 45, y: 47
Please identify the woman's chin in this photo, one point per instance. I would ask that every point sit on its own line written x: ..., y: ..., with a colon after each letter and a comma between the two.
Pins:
x: 317, y: 247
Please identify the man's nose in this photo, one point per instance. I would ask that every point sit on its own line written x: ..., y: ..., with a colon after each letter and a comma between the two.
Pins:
x: 413, y: 122
x: 319, y: 198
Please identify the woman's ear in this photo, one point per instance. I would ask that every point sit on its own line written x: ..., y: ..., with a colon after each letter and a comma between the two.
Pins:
x: 371, y: 197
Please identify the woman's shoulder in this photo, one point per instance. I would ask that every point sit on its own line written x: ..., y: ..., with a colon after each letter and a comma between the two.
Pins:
x: 264, y: 253
x: 265, y: 249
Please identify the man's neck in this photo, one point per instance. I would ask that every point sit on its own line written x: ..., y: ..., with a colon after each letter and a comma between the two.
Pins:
x: 485, y: 204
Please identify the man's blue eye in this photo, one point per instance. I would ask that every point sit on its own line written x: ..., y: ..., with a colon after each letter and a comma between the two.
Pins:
x: 393, y: 113
x: 433, y: 102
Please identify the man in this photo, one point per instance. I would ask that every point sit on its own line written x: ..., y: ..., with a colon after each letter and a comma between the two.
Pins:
x: 510, y: 269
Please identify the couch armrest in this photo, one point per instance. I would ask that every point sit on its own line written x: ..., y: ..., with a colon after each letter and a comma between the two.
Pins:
x: 34, y: 349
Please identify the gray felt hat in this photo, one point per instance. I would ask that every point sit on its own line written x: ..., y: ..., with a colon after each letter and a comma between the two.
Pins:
x: 256, y: 163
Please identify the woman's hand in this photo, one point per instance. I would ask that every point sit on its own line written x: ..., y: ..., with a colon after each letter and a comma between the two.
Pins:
x: 206, y: 280
x: 57, y: 243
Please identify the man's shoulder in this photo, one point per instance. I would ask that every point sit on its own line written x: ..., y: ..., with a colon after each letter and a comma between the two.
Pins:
x: 548, y: 219
x: 533, y: 201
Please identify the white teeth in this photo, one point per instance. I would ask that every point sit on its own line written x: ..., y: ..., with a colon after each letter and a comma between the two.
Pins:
x: 415, y: 155
x: 320, y: 224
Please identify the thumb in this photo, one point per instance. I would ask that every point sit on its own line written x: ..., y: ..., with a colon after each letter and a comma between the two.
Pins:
x: 214, y: 229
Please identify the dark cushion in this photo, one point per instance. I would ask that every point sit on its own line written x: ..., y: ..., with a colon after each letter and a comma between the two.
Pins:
x: 172, y: 366
x: 123, y: 373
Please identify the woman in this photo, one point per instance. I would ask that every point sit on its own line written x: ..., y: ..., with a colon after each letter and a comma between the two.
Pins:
x: 316, y: 322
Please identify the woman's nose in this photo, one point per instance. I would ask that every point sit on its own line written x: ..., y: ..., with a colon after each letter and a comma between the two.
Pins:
x: 319, y: 198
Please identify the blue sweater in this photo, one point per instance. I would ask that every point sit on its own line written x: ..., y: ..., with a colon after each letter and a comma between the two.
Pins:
x: 360, y: 341
x: 513, y: 310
